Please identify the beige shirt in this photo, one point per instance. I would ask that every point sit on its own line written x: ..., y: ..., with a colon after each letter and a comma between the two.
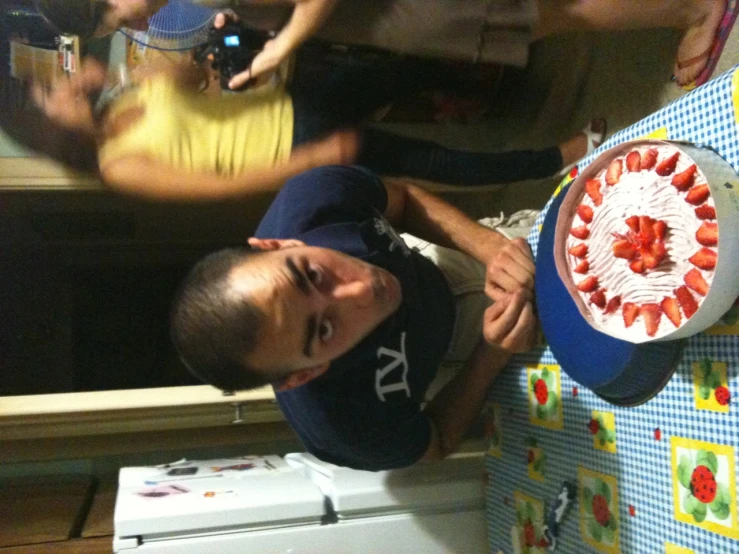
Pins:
x: 489, y: 31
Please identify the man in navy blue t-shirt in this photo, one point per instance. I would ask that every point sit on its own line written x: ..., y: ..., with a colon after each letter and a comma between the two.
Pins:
x: 350, y: 325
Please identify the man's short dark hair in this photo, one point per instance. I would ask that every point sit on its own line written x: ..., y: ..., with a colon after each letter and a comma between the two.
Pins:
x: 213, y: 328
x: 74, y: 17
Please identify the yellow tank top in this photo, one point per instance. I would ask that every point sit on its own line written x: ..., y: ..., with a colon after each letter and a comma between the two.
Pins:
x: 228, y: 135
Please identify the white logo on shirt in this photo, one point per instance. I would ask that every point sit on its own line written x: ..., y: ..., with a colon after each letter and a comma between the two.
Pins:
x: 384, y: 228
x: 396, y: 380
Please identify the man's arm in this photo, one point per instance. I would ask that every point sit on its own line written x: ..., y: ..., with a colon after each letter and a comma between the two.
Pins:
x: 142, y: 176
x: 509, y: 264
x: 432, y: 219
x: 509, y: 327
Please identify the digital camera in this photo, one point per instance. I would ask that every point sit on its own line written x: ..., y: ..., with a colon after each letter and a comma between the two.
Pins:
x: 233, y: 48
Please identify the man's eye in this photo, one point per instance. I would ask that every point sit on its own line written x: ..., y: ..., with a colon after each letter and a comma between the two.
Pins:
x: 325, y: 331
x: 314, y: 275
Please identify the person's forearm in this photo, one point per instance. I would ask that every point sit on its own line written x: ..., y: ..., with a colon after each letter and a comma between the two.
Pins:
x: 455, y: 407
x: 143, y: 177
x: 429, y: 218
x: 306, y: 19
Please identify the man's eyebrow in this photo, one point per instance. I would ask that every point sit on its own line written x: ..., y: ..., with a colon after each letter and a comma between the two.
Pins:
x: 301, y: 281
x: 299, y: 278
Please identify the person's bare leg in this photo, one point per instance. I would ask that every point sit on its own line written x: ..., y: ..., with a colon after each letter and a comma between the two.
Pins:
x: 576, y: 147
x: 699, y: 19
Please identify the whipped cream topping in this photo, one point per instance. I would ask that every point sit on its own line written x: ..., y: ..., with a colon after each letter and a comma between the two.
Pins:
x: 642, y: 193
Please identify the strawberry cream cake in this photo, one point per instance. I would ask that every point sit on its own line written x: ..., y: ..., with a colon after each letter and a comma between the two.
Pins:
x: 642, y: 246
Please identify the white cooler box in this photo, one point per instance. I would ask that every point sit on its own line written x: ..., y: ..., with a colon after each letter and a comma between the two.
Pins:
x: 300, y: 505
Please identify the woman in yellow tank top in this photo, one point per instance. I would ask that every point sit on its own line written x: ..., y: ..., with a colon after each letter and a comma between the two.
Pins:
x: 165, y: 140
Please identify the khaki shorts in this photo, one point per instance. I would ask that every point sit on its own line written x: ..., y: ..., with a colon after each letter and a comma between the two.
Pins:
x: 466, y: 279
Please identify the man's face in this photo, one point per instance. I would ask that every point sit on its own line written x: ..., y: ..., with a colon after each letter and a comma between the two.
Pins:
x: 319, y: 304
x: 133, y: 14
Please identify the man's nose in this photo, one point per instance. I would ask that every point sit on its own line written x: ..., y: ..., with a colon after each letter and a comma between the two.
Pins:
x: 359, y: 292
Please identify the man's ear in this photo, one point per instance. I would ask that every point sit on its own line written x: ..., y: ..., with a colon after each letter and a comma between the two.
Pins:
x: 274, y: 244
x: 300, y: 378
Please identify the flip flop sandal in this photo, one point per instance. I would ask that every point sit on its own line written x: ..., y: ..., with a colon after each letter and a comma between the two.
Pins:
x: 595, y: 139
x: 714, y: 51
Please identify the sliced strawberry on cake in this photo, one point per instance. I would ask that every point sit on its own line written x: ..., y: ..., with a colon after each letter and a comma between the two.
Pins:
x: 624, y: 249
x: 613, y: 305
x: 653, y: 255
x: 598, y: 298
x: 660, y: 229
x: 630, y: 312
x: 705, y: 258
x: 695, y: 281
x: 633, y: 223
x: 667, y: 166
x: 649, y: 158
x: 707, y: 234
x: 705, y: 212
x: 686, y: 300
x: 637, y: 266
x: 698, y: 195
x: 671, y: 309
x: 589, y: 284
x: 646, y: 230
x: 651, y: 313
x: 684, y: 180
x: 585, y: 213
x: 613, y: 174
x: 633, y: 161
x: 581, y: 232
x: 582, y: 267
x: 592, y: 188
x: 579, y: 250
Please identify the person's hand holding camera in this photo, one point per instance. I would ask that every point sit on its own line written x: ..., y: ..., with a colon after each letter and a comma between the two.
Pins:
x: 262, y: 67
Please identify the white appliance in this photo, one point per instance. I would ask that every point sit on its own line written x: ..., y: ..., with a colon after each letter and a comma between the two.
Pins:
x: 300, y: 505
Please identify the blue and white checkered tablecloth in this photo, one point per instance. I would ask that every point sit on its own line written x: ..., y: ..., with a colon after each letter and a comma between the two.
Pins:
x: 641, y: 470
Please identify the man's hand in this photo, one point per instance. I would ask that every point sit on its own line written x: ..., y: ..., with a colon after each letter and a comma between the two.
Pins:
x: 510, y: 324
x: 511, y: 269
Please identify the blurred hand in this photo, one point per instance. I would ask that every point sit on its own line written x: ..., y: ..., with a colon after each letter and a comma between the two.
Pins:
x: 338, y: 148
x: 509, y: 323
x: 511, y: 269
x: 67, y: 103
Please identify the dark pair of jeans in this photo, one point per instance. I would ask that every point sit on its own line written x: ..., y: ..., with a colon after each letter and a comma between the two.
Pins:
x: 354, y: 91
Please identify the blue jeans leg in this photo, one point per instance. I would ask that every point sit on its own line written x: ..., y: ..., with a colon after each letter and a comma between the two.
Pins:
x: 390, y: 154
